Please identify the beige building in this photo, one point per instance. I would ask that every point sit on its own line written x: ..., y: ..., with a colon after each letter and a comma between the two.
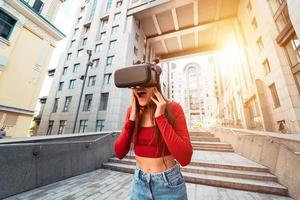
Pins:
x: 27, y: 39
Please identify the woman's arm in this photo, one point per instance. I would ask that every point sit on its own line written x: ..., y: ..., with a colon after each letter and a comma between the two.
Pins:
x: 122, y: 143
x: 177, y: 139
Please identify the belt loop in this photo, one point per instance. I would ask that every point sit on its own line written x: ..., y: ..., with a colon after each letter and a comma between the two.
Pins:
x: 165, y: 177
x: 137, y: 172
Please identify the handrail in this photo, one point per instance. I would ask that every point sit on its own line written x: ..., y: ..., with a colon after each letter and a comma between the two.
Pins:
x: 272, y: 139
x: 53, y: 143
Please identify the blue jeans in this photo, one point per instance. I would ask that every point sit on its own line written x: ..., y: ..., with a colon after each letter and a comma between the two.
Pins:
x: 166, y: 185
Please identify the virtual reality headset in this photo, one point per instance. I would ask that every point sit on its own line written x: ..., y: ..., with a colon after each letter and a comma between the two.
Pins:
x: 143, y: 75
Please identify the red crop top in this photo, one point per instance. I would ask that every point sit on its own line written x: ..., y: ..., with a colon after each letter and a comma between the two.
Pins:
x: 176, y: 138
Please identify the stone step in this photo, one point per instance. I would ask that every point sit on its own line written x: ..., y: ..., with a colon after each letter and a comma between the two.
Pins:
x: 208, y: 139
x: 201, y: 134
x: 213, y: 171
x: 218, y: 181
x: 211, y: 144
x: 213, y: 149
x: 218, y: 165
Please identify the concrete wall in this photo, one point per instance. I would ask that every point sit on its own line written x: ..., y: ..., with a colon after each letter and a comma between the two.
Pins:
x: 31, y: 163
x: 275, y: 151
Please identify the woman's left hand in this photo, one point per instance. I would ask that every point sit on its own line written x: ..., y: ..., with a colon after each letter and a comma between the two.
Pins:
x: 160, y: 103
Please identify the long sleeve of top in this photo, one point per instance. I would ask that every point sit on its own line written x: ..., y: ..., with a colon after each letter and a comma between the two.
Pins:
x: 122, y: 143
x: 177, y: 137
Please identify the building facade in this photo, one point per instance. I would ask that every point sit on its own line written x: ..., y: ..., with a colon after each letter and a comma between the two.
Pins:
x: 27, y: 39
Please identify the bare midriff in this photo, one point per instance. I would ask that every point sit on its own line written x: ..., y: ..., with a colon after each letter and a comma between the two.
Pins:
x: 155, y: 165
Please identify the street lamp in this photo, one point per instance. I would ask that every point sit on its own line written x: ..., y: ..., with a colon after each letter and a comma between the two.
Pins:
x: 83, y: 77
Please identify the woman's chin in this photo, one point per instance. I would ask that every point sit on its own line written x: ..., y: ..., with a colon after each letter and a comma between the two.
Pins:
x: 143, y: 102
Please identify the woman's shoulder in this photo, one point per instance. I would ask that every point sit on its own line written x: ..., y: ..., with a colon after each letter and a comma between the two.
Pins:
x: 173, y: 105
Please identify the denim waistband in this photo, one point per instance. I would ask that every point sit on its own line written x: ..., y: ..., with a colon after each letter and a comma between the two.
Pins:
x: 139, y: 174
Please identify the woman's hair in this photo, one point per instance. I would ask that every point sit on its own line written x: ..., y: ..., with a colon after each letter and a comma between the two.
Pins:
x: 152, y: 107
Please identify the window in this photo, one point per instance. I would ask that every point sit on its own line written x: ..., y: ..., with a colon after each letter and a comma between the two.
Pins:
x: 99, y: 125
x: 7, y: 25
x: 135, y: 50
x: 69, y: 56
x: 274, y: 95
x: 79, y: 52
x: 95, y: 63
x: 92, y: 81
x: 293, y: 51
x: 282, y: 19
x: 117, y: 16
x: 108, y: 5
x: 112, y: 44
x: 106, y: 79
x: 72, y: 84
x: 83, y: 126
x: 61, y: 128
x: 254, y: 23
x: 249, y: 6
x: 98, y: 47
x: 114, y: 29
x: 38, y: 6
x: 76, y: 67
x: 275, y: 4
x: 72, y: 43
x: 84, y: 41
x: 50, y: 126
x: 82, y: 9
x: 102, y: 36
x: 104, y: 22
x: 87, y: 28
x: 65, y: 70
x: 87, y: 102
x: 75, y: 32
x: 260, y: 44
x: 137, y: 37
x: 103, y: 101
x: 67, y: 103
x: 109, y: 60
x: 119, y: 4
x: 266, y: 66
x: 60, y: 86
x: 55, y: 106
x: 79, y: 19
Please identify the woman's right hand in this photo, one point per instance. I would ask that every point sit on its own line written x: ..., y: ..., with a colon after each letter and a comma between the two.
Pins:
x: 133, y: 106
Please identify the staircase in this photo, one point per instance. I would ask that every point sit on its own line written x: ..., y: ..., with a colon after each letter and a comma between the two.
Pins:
x: 215, y: 163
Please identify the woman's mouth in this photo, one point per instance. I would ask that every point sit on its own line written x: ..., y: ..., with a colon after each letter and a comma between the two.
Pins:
x: 141, y: 94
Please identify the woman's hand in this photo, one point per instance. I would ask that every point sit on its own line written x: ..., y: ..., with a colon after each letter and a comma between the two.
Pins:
x: 133, y: 106
x: 160, y: 103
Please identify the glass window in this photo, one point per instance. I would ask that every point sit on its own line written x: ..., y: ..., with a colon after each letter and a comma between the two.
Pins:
x: 135, y: 50
x: 114, y: 29
x: 266, y: 65
x: 72, y: 43
x: 98, y: 47
x: 119, y: 4
x: 55, y: 106
x: 65, y: 70
x: 38, y: 6
x: 254, y: 23
x: 87, y: 28
x: 109, y: 60
x: 79, y: 19
x: 76, y: 67
x: 61, y: 128
x: 87, y: 102
x: 108, y: 5
x: 112, y: 44
x: 117, y: 16
x: 84, y: 41
x: 95, y: 63
x: 72, y: 84
x: 92, y: 81
x: 106, y: 80
x: 293, y: 51
x: 50, y: 126
x: 67, y: 103
x: 69, y: 56
x: 99, y: 125
x: 103, y: 101
x: 275, y: 4
x: 79, y: 52
x: 249, y: 6
x: 104, y: 22
x: 260, y: 44
x: 274, y: 95
x: 60, y: 86
x: 102, y: 36
x: 7, y: 24
x: 83, y: 126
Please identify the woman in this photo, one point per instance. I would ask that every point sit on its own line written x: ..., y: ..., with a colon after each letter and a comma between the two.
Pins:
x: 158, y: 130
